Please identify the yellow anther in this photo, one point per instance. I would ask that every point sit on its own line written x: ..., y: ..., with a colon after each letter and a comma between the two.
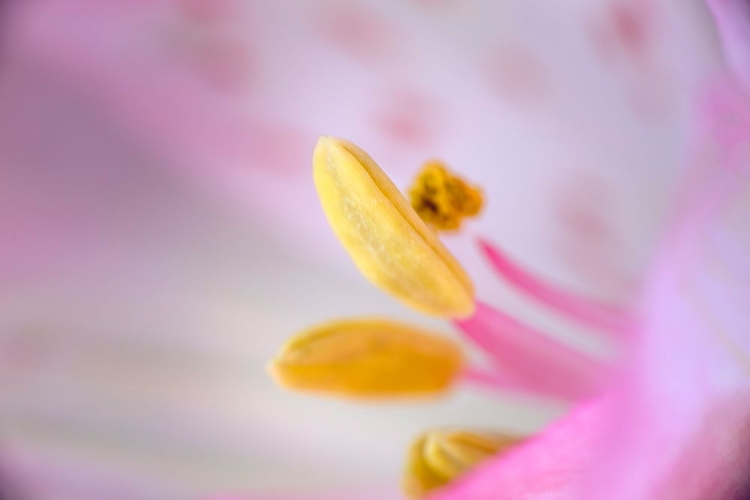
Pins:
x: 368, y: 358
x: 442, y: 199
x: 388, y: 241
x: 438, y: 457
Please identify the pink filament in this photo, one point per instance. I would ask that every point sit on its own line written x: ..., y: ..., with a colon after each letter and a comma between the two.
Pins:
x: 495, y: 380
x: 583, y: 310
x: 532, y: 361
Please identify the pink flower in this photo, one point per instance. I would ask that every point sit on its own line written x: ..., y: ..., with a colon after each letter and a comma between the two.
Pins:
x: 219, y: 92
x: 671, y: 420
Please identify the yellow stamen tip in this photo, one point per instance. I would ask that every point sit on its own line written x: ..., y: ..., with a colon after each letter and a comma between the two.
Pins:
x: 387, y: 240
x: 368, y: 358
x: 442, y: 199
x: 438, y: 457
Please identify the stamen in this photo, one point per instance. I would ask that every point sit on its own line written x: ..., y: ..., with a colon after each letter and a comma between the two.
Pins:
x: 585, y: 311
x: 534, y: 360
x: 384, y: 236
x: 368, y: 358
x: 443, y: 199
x: 497, y: 380
x: 438, y: 457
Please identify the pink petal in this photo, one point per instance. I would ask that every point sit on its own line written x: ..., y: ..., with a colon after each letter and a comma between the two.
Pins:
x: 733, y: 23
x: 724, y: 122
x: 532, y: 359
x: 679, y: 423
x: 578, y: 308
x: 681, y: 426
x: 548, y: 467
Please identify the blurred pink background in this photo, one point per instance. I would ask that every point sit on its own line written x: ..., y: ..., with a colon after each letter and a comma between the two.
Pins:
x: 161, y: 235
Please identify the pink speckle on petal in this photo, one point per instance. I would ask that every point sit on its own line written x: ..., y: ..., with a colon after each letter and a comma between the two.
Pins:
x: 408, y: 118
x: 587, y: 242
x: 273, y: 147
x: 516, y: 75
x: 227, y: 65
x: 357, y: 30
x: 585, y: 225
x: 628, y: 27
x: 580, y: 208
x: 208, y: 11
x: 200, y: 37
x: 625, y: 36
x: 725, y: 116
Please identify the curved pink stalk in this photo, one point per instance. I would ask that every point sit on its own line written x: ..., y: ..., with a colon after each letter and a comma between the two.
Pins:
x: 538, y: 363
x: 585, y: 311
x: 498, y: 381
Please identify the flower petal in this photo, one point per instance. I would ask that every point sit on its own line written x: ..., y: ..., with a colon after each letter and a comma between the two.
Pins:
x: 385, y: 237
x: 733, y: 23
x: 550, y: 466
x: 680, y: 427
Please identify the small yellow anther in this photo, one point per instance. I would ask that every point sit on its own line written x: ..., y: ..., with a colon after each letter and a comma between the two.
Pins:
x: 443, y: 199
x: 368, y: 358
x: 438, y: 457
x: 388, y: 241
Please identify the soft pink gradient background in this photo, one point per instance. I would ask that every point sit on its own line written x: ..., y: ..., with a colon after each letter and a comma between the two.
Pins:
x: 161, y: 236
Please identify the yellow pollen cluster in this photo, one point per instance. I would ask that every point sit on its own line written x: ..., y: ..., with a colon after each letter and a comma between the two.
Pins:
x: 442, y: 199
